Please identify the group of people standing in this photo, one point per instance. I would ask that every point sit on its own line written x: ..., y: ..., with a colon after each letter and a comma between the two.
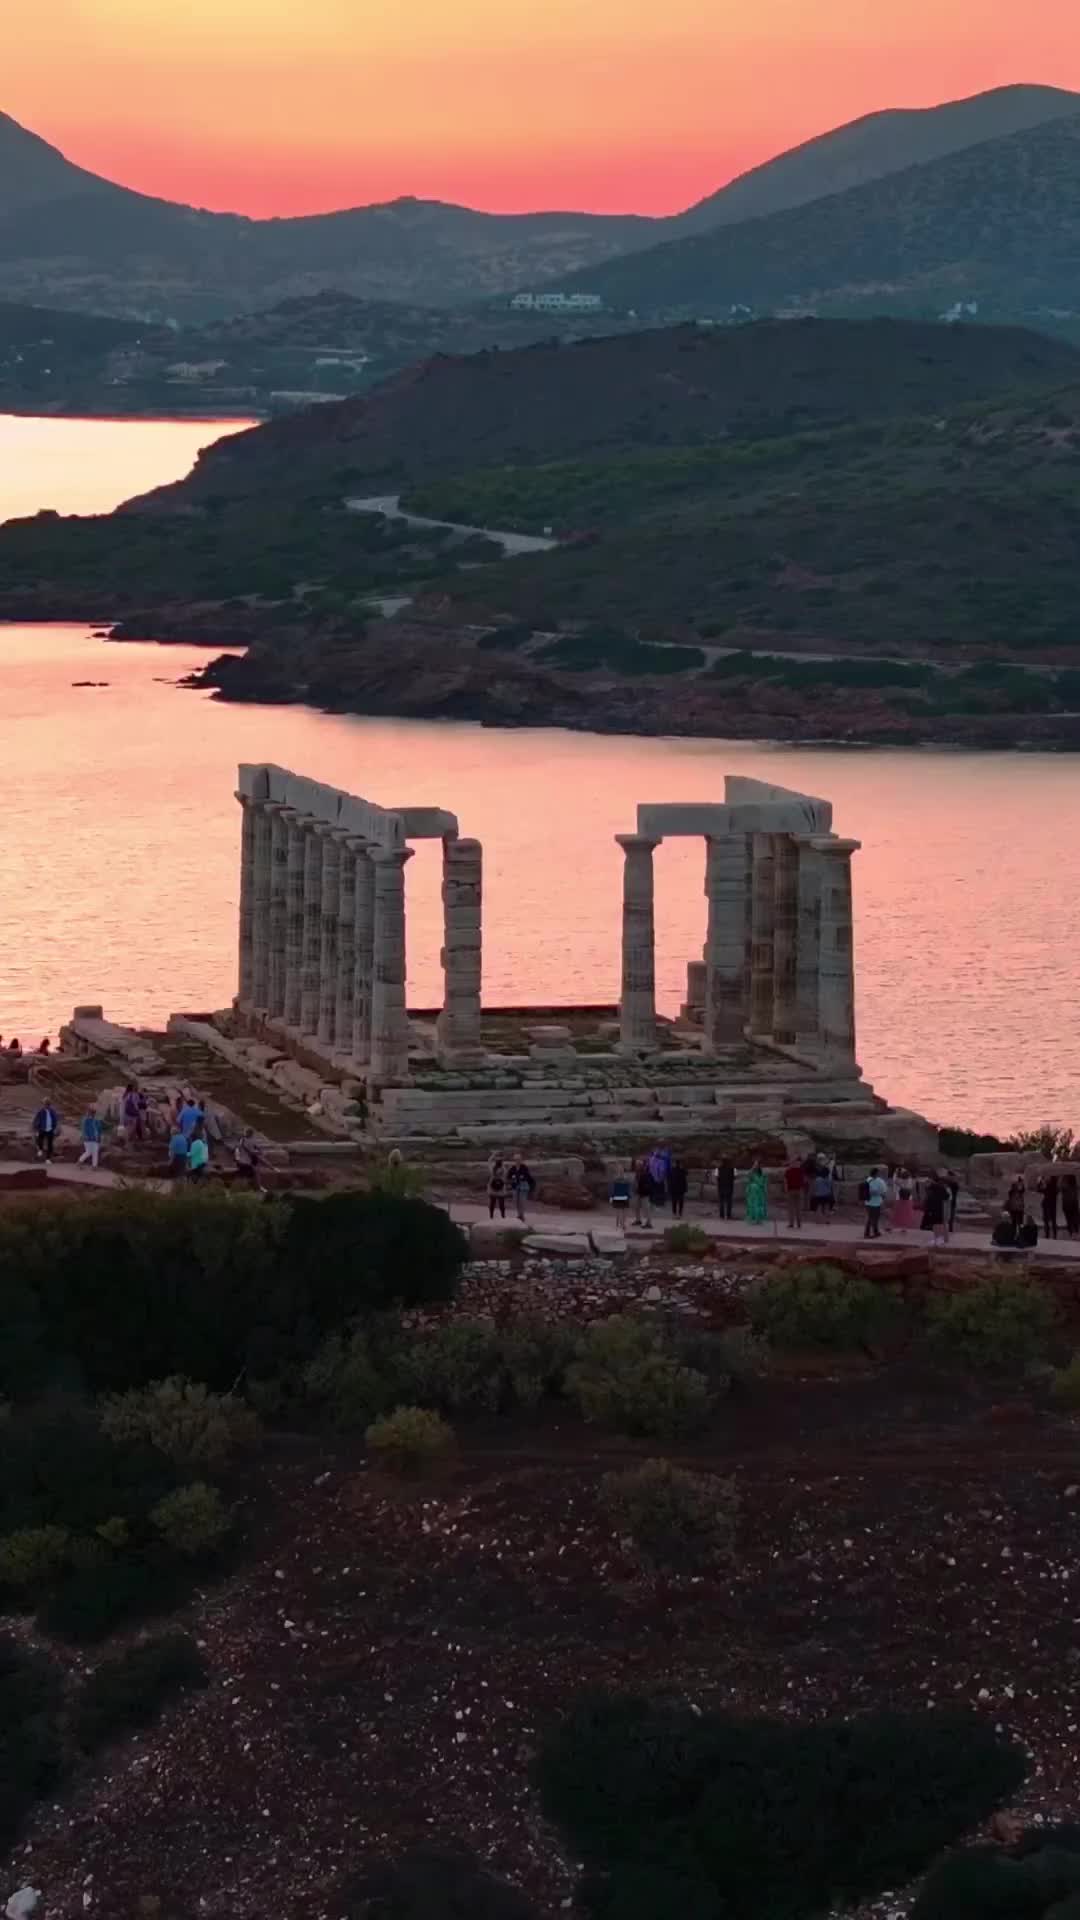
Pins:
x: 511, y: 1178
x: 1017, y: 1226
x: 657, y: 1179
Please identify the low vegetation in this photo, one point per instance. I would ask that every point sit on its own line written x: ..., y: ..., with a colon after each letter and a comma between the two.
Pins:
x: 822, y: 1306
x: 999, y: 1326
x: 410, y: 1439
x: 134, y: 1688
x: 1037, y: 1877
x: 627, y: 1377
x: 673, y: 1518
x: 681, y: 1812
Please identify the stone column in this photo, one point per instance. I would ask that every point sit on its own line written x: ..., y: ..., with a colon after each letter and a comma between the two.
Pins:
x: 808, y: 957
x: 761, y: 935
x: 389, y: 1022
x: 637, y: 1004
x: 458, y: 1031
x: 279, y: 864
x: 693, y: 1007
x: 363, y: 951
x: 346, y: 946
x: 260, y: 925
x: 328, y: 952
x: 836, y: 979
x: 785, y: 938
x: 727, y: 970
x: 245, y: 980
x: 294, y: 919
x: 311, y: 955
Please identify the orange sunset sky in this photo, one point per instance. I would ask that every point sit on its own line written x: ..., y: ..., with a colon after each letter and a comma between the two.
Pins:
x: 291, y: 106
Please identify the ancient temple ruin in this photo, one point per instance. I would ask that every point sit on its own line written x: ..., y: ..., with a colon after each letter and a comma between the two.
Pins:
x: 764, y: 1042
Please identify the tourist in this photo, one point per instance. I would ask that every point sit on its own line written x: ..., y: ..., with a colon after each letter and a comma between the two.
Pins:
x: 935, y: 1217
x: 643, y: 1193
x: 836, y: 1180
x: 1003, y: 1236
x: 198, y: 1155
x: 178, y: 1153
x: 92, y: 1132
x: 46, y: 1128
x: 43, y: 1044
x: 822, y: 1190
x: 246, y: 1157
x: 497, y: 1189
x: 757, y: 1194
x: 1048, y: 1190
x: 903, y: 1213
x: 521, y: 1184
x: 725, y: 1188
x: 794, y: 1185
x: 877, y: 1190
x: 1016, y: 1202
x: 620, y: 1198
x: 1028, y: 1235
x: 1070, y: 1204
x: 14, y: 1044
x: 190, y: 1116
x: 129, y: 1112
x: 677, y: 1183
x: 659, y: 1163
x: 953, y: 1184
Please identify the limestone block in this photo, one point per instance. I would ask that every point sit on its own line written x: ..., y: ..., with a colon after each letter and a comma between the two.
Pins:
x: 572, y: 1245
x: 549, y: 1035
x: 553, y: 1055
x: 609, y: 1242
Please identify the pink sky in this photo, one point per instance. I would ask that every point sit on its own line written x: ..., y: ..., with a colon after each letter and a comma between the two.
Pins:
x: 270, y: 106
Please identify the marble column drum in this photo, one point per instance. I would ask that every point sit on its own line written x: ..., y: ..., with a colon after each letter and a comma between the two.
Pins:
x: 836, y: 978
x: 311, y: 959
x: 279, y: 862
x: 727, y: 976
x: 389, y: 1021
x: 808, y: 955
x: 637, y: 1003
x: 785, y: 938
x: 363, y: 951
x: 328, y: 948
x: 245, y: 982
x: 346, y: 946
x: 294, y: 920
x: 458, y: 1028
x: 762, y: 920
x: 260, y: 927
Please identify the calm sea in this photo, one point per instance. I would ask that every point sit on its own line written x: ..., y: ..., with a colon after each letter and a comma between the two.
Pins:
x: 118, y: 858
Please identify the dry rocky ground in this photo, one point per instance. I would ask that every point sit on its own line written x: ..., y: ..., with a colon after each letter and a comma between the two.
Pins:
x: 384, y: 1659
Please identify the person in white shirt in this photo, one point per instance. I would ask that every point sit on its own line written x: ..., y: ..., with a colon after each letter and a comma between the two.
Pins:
x: 876, y: 1192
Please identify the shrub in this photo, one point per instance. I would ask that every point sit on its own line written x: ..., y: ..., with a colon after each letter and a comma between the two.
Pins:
x: 343, y: 1377
x: 59, y: 1468
x: 33, y: 1556
x: 686, y: 1238
x: 824, y: 1307
x: 410, y: 1439
x: 368, y: 1251
x: 185, y: 1421
x: 625, y: 1378
x: 457, y: 1367
x: 725, y: 1355
x: 1066, y: 1384
x: 535, y: 1357
x: 193, y: 1521
x: 133, y: 1689
x: 674, y: 1518
x: 31, y: 1691
x: 89, y: 1603
x: 768, y: 1817
x: 985, y: 1883
x: 1001, y: 1325
x: 434, y: 1883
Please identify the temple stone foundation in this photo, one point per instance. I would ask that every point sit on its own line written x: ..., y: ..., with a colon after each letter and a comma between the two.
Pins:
x: 764, y: 1044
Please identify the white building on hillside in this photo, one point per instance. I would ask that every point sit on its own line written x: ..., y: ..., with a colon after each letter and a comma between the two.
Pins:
x: 556, y: 303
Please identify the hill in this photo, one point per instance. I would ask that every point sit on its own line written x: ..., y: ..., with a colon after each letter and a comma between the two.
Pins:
x: 682, y: 386
x: 998, y: 224
x: 70, y: 238
x: 875, y: 145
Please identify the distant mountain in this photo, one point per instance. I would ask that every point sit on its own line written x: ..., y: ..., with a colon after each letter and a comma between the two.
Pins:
x: 996, y: 224
x: 69, y: 238
x: 680, y: 386
x: 878, y: 144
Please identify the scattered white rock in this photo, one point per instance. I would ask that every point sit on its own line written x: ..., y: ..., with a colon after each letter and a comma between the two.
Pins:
x: 23, y: 1904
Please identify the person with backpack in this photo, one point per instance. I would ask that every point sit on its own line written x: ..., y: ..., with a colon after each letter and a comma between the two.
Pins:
x: 246, y: 1158
x: 643, y: 1193
x: 620, y: 1198
x: 677, y: 1182
x: 521, y: 1184
x: 794, y: 1187
x: 92, y: 1133
x: 876, y: 1190
x: 497, y: 1188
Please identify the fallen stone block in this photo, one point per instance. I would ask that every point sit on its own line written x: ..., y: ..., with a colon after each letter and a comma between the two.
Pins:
x: 572, y: 1245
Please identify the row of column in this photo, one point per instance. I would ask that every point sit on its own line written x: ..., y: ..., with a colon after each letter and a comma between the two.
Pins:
x: 778, y: 960
x: 322, y: 938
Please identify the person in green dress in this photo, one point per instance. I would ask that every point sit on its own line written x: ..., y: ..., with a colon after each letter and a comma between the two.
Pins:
x: 757, y: 1193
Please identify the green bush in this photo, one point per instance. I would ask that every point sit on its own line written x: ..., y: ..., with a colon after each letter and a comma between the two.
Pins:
x: 59, y: 1468
x: 824, y: 1307
x: 687, y: 1238
x: 345, y: 1379
x: 674, y: 1518
x: 456, y: 1367
x: 535, y: 1356
x: 134, y: 1689
x: 193, y: 1521
x: 33, y: 1556
x: 1001, y: 1325
x: 31, y: 1694
x: 434, y: 1883
x: 1041, y: 1875
x: 626, y: 1378
x: 410, y: 1439
x: 761, y: 1818
x: 90, y: 1603
x: 185, y: 1421
x: 1065, y: 1386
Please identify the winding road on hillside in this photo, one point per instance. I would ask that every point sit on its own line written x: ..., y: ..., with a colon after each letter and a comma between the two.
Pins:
x: 511, y: 543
